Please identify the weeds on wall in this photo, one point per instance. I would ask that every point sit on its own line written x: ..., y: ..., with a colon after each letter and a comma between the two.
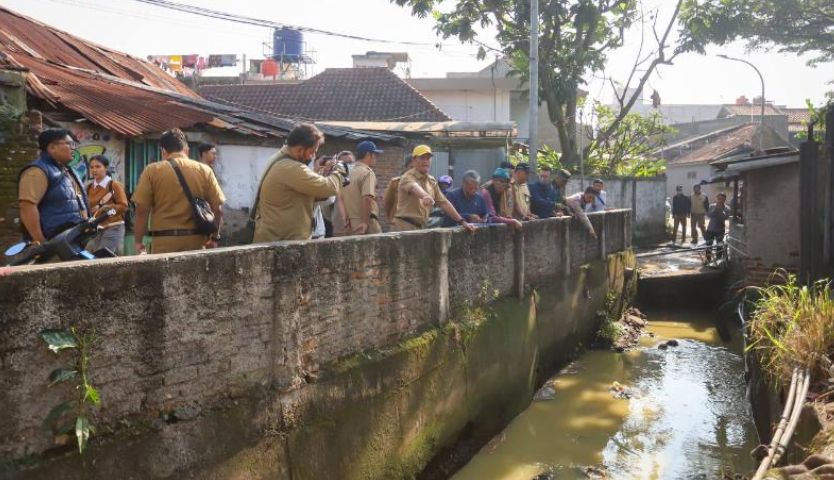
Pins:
x: 72, y: 416
x: 473, y: 313
x: 610, y: 328
x: 793, y: 326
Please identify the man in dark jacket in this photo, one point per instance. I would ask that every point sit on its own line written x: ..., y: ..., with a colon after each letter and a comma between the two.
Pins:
x: 681, y: 208
x: 50, y: 193
x: 542, y: 194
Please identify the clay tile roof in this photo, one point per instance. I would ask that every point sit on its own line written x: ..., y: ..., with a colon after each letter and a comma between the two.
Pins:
x: 798, y: 118
x: 737, y: 141
x: 336, y: 94
x: 748, y: 110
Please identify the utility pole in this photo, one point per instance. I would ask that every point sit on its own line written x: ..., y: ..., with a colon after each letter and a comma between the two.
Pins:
x: 761, y: 78
x: 533, y: 141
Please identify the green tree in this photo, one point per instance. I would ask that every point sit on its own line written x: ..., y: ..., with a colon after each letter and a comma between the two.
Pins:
x: 576, y: 37
x: 630, y: 149
x: 795, y: 26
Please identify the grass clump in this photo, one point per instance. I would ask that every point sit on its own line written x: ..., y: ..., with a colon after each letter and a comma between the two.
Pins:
x: 793, y: 326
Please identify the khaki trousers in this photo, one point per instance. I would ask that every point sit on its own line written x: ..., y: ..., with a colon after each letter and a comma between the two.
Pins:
x: 698, y: 220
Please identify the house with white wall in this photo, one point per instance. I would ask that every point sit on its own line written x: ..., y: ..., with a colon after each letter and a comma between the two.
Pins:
x: 491, y: 95
x: 693, y: 167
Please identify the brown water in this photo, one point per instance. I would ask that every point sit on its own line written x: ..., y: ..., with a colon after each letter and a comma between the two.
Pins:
x: 688, y: 417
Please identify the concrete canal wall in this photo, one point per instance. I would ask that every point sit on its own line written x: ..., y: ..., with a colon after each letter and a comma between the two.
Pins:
x: 345, y: 358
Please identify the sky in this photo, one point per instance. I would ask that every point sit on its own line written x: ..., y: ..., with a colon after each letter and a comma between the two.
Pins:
x: 142, y: 30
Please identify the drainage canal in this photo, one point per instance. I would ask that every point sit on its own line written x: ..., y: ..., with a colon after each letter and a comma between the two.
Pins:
x: 657, y: 411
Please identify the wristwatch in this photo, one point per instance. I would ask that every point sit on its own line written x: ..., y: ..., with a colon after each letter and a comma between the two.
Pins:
x: 461, y: 221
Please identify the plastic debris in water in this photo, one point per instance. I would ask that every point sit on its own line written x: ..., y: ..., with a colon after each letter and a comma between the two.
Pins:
x: 620, y: 391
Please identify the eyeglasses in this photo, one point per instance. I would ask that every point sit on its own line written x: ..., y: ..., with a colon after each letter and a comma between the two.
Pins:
x: 69, y: 143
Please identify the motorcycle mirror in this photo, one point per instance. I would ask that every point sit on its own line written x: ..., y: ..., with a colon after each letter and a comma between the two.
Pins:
x: 16, y: 248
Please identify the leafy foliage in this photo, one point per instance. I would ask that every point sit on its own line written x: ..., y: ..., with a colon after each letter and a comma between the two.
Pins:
x: 818, y: 115
x: 547, y: 156
x: 796, y: 26
x: 575, y: 39
x: 629, y: 150
x: 58, y: 340
x: 793, y: 326
x: 86, y: 395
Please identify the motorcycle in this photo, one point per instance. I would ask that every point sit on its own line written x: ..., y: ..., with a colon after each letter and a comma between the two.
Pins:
x: 67, y: 245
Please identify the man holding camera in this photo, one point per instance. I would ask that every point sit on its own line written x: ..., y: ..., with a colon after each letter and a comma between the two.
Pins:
x: 289, y: 189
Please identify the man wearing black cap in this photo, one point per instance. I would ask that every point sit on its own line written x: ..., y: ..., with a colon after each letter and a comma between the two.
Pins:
x: 50, y: 193
x: 521, y: 193
x: 360, y: 195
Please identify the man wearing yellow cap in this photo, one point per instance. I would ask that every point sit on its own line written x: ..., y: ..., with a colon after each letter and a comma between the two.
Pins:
x: 418, y: 192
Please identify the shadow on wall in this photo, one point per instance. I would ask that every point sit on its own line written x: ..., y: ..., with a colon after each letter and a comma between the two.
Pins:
x: 231, y: 354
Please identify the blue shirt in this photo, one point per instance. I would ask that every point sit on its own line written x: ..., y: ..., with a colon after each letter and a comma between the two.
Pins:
x: 465, y: 206
x: 542, y: 199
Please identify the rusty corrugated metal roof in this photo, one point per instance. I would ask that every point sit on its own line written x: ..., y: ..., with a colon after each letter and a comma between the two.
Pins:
x: 21, y: 35
x: 121, y: 93
x: 125, y: 109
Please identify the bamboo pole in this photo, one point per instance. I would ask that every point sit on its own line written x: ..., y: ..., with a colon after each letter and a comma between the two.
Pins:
x: 783, y: 423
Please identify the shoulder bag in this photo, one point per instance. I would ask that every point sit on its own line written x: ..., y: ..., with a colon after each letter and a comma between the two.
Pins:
x: 200, y: 209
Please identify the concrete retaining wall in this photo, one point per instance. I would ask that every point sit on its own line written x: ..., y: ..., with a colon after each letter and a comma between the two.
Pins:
x: 645, y: 196
x: 254, y: 357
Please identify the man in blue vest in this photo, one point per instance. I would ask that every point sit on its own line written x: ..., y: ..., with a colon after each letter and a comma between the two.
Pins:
x: 51, y: 196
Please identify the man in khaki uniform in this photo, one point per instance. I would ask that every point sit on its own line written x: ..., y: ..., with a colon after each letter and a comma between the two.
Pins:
x: 418, y: 192
x: 700, y: 205
x: 360, y: 195
x: 160, y: 196
x: 289, y: 188
x: 521, y: 193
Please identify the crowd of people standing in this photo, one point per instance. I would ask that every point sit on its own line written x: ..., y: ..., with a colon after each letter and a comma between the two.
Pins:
x: 300, y: 196
x: 696, y: 209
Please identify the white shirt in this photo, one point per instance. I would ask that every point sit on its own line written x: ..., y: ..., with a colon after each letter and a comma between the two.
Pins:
x: 104, y: 182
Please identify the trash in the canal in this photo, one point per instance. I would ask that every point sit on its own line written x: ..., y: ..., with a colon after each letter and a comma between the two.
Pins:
x: 595, y: 472
x: 667, y: 344
x: 619, y: 390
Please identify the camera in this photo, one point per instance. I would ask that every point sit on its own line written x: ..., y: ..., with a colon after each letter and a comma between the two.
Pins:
x: 343, y: 170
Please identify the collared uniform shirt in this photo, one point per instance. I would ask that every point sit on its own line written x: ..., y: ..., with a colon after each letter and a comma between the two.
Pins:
x: 700, y: 204
x: 409, y: 205
x: 159, y: 189
x: 362, y: 184
x: 521, y: 200
x: 95, y: 196
x: 288, y: 192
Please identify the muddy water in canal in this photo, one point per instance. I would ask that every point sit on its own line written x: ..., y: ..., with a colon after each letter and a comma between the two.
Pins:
x: 687, y: 416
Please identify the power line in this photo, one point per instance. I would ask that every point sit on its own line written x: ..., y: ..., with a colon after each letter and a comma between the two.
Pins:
x: 267, y: 23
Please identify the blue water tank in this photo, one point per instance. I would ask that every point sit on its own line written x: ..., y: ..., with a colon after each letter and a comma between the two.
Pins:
x: 287, y: 44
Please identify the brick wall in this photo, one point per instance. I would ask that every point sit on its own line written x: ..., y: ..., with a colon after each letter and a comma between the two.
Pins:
x: 17, y: 149
x: 200, y: 328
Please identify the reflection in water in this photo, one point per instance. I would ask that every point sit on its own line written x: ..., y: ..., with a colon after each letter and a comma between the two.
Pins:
x: 688, y: 417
